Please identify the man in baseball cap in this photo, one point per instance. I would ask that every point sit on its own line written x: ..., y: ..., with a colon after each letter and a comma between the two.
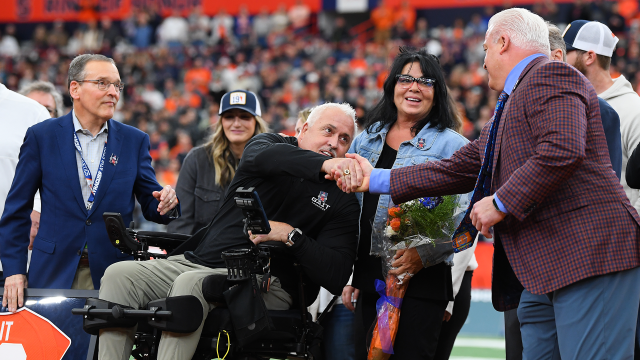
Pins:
x: 590, y: 45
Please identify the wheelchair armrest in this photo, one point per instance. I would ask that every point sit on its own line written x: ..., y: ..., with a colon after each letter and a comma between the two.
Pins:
x: 167, y: 241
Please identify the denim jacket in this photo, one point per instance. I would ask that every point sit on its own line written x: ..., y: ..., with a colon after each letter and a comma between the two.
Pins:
x: 428, y: 145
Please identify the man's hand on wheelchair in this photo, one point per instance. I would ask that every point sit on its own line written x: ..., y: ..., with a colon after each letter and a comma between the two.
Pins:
x: 279, y: 232
x: 13, y: 296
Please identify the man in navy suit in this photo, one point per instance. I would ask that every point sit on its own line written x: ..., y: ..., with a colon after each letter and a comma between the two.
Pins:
x: 83, y: 163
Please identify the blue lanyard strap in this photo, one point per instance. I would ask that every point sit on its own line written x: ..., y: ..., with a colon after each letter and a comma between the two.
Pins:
x: 93, y: 186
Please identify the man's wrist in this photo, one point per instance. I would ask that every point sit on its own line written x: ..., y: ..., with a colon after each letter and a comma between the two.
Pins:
x: 495, y: 205
x: 499, y: 205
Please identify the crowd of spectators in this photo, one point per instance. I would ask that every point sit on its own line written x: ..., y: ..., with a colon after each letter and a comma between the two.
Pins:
x: 177, y: 68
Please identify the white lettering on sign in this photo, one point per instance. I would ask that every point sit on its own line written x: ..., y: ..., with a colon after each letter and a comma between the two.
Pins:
x: 8, y: 327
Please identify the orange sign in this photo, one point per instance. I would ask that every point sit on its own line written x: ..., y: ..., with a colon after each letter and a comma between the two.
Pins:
x: 27, y: 335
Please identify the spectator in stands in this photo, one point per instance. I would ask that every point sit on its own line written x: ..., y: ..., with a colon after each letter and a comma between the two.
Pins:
x: 46, y: 95
x: 383, y: 18
x: 9, y: 44
x: 208, y: 170
x: 174, y: 30
x: 58, y: 36
x: 92, y: 37
x: 221, y: 27
x: 243, y: 23
x: 199, y: 25
x: 197, y: 78
x: 406, y: 16
x: 152, y: 96
x: 279, y: 19
x: 299, y: 15
x: 414, y: 110
x: 110, y: 34
x: 262, y: 26
x: 142, y: 32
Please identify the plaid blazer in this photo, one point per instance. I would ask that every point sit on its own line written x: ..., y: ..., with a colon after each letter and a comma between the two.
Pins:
x: 569, y: 218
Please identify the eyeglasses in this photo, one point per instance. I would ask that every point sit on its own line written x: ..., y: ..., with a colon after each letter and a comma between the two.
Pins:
x: 405, y: 81
x: 104, y: 85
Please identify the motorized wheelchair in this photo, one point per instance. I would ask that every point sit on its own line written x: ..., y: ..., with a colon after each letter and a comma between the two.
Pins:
x: 273, y: 334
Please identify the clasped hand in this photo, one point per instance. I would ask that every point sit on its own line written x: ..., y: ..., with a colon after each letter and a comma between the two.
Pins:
x: 351, y: 173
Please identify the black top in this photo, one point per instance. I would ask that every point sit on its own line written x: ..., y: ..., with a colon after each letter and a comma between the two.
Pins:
x: 292, y: 190
x: 431, y: 283
x: 200, y: 196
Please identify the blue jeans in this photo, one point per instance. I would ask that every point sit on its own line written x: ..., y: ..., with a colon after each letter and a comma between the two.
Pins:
x: 594, y: 318
x: 338, y: 334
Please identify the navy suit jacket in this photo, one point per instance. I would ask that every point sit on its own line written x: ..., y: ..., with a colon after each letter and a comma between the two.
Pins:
x: 48, y: 162
x: 611, y: 126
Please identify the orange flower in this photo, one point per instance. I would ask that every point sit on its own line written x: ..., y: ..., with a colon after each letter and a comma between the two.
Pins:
x: 395, y: 224
x: 395, y: 211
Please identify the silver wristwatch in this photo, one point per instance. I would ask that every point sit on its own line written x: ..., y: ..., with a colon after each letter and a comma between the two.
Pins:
x: 293, y: 236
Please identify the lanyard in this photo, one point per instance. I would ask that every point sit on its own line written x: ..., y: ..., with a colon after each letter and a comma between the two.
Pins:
x: 93, y: 187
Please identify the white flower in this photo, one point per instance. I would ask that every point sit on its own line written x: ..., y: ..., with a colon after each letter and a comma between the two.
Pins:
x: 389, y: 232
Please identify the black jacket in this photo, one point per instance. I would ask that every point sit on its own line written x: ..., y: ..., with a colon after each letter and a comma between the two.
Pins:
x: 292, y: 190
x: 200, y: 197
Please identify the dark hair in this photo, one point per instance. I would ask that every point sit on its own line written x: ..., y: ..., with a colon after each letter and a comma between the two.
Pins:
x: 385, y: 112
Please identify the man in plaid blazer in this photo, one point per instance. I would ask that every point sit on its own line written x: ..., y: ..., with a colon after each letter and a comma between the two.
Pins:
x: 566, y: 247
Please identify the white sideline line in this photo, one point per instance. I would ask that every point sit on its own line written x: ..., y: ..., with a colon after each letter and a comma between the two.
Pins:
x: 480, y: 343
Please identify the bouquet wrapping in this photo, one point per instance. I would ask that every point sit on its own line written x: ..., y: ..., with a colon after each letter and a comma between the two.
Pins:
x: 426, y: 224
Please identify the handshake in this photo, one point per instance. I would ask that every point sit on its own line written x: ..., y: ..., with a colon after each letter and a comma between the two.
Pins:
x: 351, y: 173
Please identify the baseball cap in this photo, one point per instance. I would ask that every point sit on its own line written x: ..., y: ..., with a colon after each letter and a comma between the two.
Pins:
x: 240, y: 99
x: 590, y: 35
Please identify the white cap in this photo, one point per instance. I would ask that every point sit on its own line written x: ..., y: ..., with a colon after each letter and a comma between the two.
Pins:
x: 594, y: 36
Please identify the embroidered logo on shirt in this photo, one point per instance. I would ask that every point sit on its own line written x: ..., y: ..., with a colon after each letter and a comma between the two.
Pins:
x: 421, y: 143
x: 320, y: 201
x: 237, y: 98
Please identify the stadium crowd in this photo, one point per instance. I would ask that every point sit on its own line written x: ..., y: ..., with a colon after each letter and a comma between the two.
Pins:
x: 177, y: 68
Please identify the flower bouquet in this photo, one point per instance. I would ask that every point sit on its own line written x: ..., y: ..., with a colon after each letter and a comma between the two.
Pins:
x: 426, y: 224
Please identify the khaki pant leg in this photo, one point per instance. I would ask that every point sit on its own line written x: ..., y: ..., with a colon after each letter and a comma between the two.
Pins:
x: 82, y: 280
x: 175, y: 346
x: 135, y: 283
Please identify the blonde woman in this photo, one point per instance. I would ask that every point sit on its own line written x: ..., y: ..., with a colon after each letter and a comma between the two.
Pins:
x: 208, y: 170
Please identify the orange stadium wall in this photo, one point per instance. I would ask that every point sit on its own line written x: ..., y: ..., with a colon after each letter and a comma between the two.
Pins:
x: 83, y: 10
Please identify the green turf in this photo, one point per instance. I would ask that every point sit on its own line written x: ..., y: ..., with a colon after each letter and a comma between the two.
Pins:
x: 470, y: 347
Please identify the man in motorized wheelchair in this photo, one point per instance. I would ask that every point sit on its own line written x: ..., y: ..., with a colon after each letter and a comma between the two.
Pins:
x: 317, y: 221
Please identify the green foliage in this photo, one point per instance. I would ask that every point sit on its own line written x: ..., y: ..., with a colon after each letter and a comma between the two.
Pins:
x: 436, y: 223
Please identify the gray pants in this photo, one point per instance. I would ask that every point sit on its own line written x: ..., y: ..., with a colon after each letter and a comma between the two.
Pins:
x: 135, y: 283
